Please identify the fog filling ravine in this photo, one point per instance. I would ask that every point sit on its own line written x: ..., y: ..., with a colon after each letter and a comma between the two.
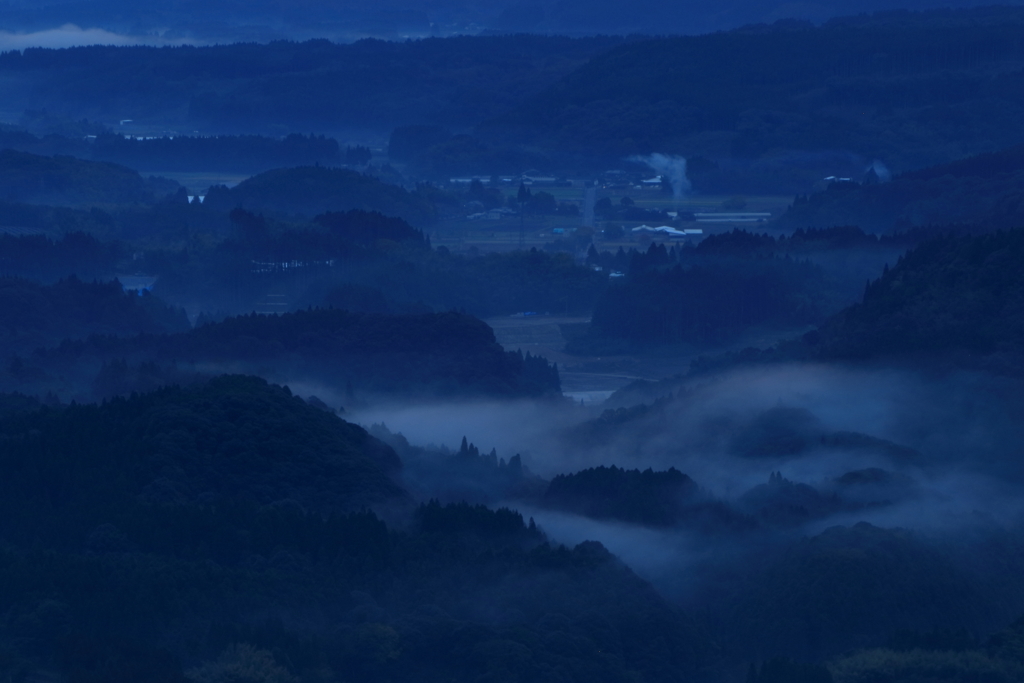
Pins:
x: 511, y: 342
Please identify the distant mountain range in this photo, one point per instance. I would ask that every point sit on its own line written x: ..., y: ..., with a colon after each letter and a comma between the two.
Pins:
x: 263, y: 20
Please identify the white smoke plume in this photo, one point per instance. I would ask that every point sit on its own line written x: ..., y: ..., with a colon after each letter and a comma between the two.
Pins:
x: 881, y: 170
x: 671, y: 167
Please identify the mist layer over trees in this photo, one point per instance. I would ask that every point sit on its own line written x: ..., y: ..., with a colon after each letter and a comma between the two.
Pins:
x: 523, y: 354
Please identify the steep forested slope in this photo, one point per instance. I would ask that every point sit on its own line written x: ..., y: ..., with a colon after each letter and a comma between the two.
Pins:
x: 208, y: 530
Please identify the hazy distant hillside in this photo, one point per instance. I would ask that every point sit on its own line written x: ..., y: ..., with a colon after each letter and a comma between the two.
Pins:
x: 952, y: 294
x: 312, y: 190
x: 63, y: 180
x: 910, y: 90
x: 263, y: 20
x: 956, y: 298
x: 290, y: 86
x: 36, y: 316
x: 363, y: 355
x: 987, y: 188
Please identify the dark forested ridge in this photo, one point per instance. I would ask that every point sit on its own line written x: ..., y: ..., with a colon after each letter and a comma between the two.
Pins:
x: 909, y: 89
x: 955, y: 298
x: 64, y: 180
x: 731, y: 282
x: 367, y: 262
x: 983, y: 190
x: 435, y: 354
x: 250, y: 87
x: 310, y: 190
x: 236, y: 153
x: 231, y: 437
x: 36, y: 316
x: 960, y: 294
x: 222, y: 489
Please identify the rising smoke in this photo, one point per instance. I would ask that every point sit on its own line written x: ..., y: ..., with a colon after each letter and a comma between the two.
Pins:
x: 671, y: 167
x: 881, y: 170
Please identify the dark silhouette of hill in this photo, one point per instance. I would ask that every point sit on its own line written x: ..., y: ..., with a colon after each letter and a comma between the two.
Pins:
x: 36, y: 316
x: 980, y: 190
x: 832, y: 590
x: 43, y: 258
x: 228, y: 503
x: 226, y: 21
x: 708, y: 294
x: 248, y: 87
x: 233, y: 153
x: 880, y: 87
x: 953, y: 299
x: 361, y: 354
x: 312, y: 190
x: 231, y: 438
x: 648, y: 498
x: 368, y: 262
x: 63, y: 180
x: 949, y: 295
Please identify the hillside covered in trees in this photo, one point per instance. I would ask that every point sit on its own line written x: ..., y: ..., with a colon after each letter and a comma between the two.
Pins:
x: 228, y: 505
x: 982, y: 190
x: 316, y: 84
x: 793, y: 100
x: 363, y: 354
x: 37, y: 316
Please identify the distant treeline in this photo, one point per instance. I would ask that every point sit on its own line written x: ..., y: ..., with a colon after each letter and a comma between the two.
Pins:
x: 64, y: 180
x: 35, y: 316
x: 984, y: 189
x: 364, y: 355
x: 882, y: 87
x: 310, y: 190
x: 728, y: 283
x: 361, y: 258
x: 955, y: 298
x: 314, y: 85
x: 40, y: 257
x: 237, y: 153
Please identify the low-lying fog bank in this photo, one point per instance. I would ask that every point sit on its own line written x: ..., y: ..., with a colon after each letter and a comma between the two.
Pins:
x: 786, y: 471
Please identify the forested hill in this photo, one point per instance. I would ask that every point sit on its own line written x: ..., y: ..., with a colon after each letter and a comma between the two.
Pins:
x: 961, y: 294
x: 910, y: 89
x: 985, y: 189
x: 315, y: 84
x: 231, y: 438
x: 61, y: 180
x: 222, y: 509
x: 955, y: 298
x: 310, y: 190
x: 360, y: 354
x: 36, y: 316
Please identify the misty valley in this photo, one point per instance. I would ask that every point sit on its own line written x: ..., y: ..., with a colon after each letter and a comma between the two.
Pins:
x: 526, y: 347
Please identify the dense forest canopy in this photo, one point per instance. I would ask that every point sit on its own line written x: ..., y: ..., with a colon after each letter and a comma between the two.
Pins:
x: 911, y: 90
x: 251, y: 87
x: 983, y: 190
x: 386, y: 382
x: 359, y: 354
